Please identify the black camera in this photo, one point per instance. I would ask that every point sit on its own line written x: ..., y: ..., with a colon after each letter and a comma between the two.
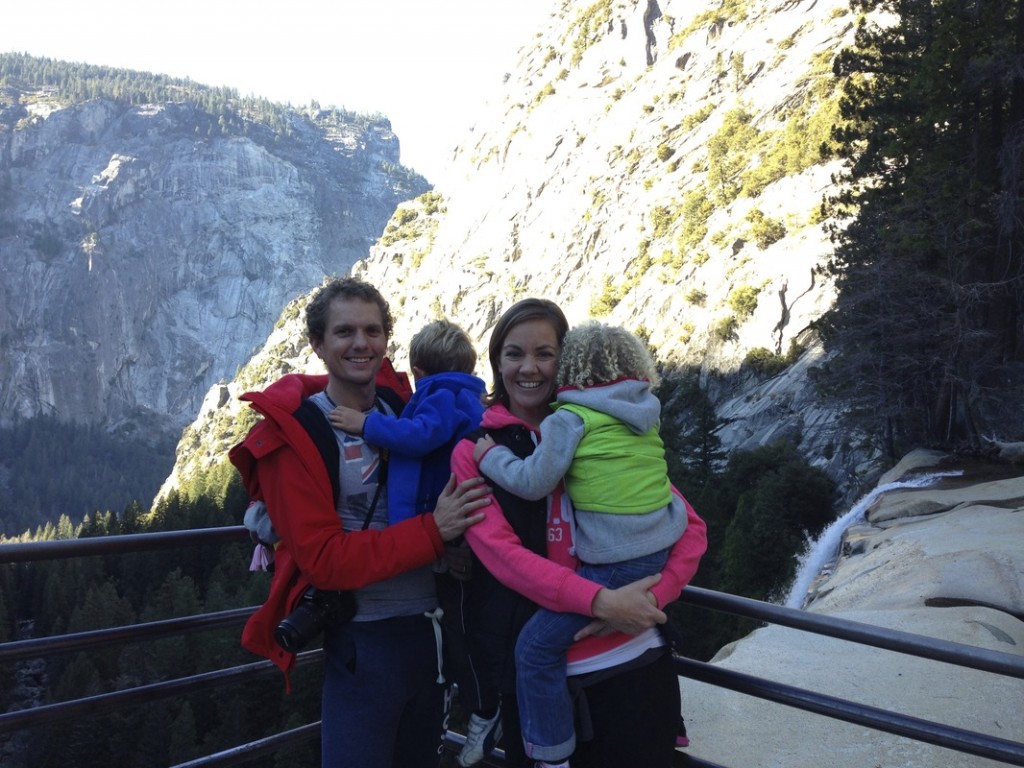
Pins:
x: 317, y: 609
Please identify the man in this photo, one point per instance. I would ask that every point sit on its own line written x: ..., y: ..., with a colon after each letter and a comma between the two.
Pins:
x: 383, y: 693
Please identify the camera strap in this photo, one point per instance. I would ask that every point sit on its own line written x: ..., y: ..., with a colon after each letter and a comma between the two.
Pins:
x: 382, y: 471
x: 376, y: 497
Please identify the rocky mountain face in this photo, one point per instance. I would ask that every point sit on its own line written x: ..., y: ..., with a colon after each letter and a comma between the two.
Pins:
x: 657, y: 165
x: 144, y: 254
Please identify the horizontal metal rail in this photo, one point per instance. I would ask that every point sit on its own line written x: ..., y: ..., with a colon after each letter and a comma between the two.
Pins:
x: 957, y: 739
x: 27, y: 551
x: 866, y: 634
x: 109, y: 702
x: 17, y: 650
x: 246, y: 752
x: 896, y: 723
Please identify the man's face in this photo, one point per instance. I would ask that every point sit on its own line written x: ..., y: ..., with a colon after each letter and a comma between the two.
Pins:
x: 354, y: 341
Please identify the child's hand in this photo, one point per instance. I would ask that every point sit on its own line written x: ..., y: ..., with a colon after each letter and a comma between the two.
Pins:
x: 347, y: 419
x: 483, y: 445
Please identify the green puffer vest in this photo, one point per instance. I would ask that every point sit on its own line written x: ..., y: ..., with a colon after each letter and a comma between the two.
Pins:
x: 616, y: 470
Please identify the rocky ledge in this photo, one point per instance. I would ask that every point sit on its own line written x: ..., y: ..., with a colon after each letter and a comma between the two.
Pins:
x: 945, y: 561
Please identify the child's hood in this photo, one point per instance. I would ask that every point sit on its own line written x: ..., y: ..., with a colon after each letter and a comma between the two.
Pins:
x: 629, y: 400
x: 452, y: 380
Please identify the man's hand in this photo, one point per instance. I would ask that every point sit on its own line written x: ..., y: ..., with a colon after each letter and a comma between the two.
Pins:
x: 347, y: 419
x: 457, y: 506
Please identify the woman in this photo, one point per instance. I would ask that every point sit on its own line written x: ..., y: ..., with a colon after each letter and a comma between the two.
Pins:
x: 627, y: 677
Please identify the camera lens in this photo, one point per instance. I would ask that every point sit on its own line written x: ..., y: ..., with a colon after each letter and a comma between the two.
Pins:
x: 316, y: 610
x: 300, y: 626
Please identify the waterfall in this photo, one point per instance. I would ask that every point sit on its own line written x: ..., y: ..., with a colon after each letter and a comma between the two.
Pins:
x: 820, y: 552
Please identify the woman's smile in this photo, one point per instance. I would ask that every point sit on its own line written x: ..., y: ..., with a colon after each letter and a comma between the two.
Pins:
x: 528, y: 364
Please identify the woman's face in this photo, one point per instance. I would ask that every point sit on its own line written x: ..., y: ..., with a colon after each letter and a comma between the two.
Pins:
x: 528, y: 364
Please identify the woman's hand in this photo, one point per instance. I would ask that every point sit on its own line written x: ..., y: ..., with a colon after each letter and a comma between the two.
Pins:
x: 631, y: 609
x: 457, y: 506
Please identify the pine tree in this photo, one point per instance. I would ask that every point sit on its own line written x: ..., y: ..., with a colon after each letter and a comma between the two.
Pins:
x: 781, y: 501
x: 183, y: 739
x: 689, y: 423
x: 929, y: 264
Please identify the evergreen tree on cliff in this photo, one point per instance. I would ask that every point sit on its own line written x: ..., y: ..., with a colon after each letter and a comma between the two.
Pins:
x: 928, y: 260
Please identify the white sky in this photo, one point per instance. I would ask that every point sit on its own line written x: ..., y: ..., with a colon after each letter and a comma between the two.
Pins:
x: 428, y: 65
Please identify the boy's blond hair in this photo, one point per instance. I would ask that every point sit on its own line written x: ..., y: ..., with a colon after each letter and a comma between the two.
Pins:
x: 594, y: 353
x: 442, y: 346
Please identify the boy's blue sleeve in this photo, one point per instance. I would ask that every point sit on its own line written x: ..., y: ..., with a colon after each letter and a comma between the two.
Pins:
x: 432, y: 422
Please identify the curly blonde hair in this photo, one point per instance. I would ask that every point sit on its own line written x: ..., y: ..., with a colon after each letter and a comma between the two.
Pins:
x: 594, y: 353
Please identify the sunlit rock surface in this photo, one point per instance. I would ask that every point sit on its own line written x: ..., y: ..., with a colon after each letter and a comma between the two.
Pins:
x: 145, y: 255
x: 945, y: 562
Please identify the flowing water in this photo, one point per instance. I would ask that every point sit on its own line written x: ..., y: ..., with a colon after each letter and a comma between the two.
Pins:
x: 824, y: 549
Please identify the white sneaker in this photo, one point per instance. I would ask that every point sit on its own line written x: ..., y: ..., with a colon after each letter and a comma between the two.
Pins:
x: 483, y: 735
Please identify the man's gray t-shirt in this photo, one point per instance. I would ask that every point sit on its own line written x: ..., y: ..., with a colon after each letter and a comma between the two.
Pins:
x: 408, y: 594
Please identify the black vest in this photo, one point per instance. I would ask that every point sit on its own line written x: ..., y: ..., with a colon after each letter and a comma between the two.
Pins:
x: 507, y: 611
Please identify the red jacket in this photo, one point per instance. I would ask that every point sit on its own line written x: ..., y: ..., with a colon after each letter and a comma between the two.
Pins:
x: 280, y: 464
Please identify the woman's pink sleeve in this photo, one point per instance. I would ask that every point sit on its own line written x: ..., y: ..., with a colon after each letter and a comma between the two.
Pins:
x: 493, y: 541
x: 684, y: 557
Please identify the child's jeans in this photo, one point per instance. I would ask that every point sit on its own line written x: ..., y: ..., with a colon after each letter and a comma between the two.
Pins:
x: 545, y: 707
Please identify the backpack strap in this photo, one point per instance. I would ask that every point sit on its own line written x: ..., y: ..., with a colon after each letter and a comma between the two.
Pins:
x: 320, y: 431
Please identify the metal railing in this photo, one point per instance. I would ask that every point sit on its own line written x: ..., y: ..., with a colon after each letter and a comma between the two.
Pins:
x: 961, y: 740
x: 950, y: 737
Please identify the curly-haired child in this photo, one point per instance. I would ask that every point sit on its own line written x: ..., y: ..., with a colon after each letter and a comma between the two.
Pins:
x: 603, y: 438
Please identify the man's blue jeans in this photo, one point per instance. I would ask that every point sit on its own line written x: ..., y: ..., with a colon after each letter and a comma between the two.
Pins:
x: 545, y: 707
x: 382, y: 704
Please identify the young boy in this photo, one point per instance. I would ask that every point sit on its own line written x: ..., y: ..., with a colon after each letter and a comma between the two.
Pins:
x: 446, y: 406
x: 603, y: 438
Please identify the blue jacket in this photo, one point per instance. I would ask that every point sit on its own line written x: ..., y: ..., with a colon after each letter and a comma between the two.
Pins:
x: 444, y: 408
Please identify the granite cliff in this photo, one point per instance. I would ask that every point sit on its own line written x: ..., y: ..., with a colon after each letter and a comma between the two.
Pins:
x: 146, y: 251
x: 656, y: 165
